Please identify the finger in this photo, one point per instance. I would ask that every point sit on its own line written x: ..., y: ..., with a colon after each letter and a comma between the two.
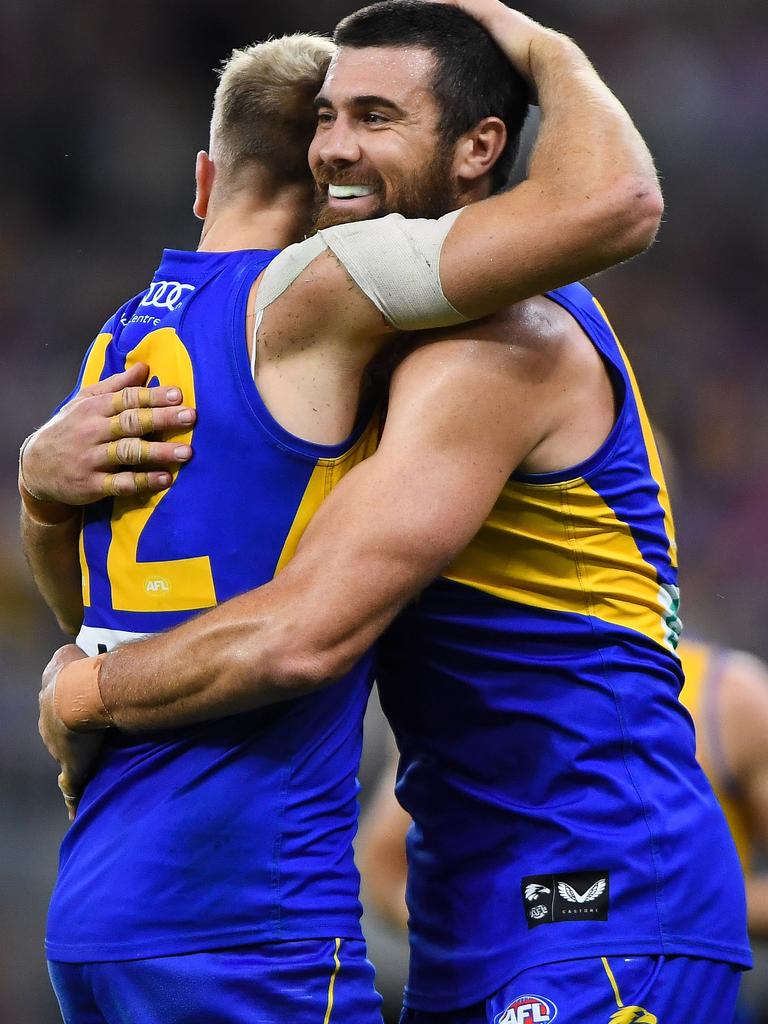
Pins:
x: 133, y: 376
x: 134, y: 451
x: 122, y: 485
x: 128, y: 451
x: 68, y: 787
x: 71, y: 800
x: 136, y: 422
x: 132, y: 423
x: 144, y: 398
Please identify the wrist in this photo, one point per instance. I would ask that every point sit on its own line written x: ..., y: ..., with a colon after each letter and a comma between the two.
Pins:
x: 552, y: 53
x: 47, y: 513
x: 77, y: 698
x: 39, y: 508
x: 516, y: 35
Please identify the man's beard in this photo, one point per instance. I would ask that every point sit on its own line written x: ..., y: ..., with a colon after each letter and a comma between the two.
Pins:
x: 430, y: 193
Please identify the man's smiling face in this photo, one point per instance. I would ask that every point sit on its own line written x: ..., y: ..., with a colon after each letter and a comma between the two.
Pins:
x: 377, y: 149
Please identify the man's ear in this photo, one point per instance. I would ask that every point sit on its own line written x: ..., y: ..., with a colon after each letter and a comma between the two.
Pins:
x: 477, y: 150
x: 205, y: 172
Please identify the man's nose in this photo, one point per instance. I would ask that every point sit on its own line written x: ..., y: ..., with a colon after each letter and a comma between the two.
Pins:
x: 339, y: 144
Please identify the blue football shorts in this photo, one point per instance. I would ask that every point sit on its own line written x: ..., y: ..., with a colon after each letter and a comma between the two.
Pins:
x: 606, y: 990
x: 308, y: 982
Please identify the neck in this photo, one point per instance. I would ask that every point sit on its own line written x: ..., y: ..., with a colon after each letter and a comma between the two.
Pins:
x: 249, y: 221
x: 474, y: 191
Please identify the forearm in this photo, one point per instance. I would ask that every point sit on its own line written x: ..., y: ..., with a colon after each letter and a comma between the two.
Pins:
x: 757, y: 905
x: 50, y: 539
x: 302, y: 631
x: 384, y: 888
x: 606, y: 159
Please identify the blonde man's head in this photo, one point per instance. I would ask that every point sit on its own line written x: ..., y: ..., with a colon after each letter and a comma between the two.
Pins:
x: 262, y: 111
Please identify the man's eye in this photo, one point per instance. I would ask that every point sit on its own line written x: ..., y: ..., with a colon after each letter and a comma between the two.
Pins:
x: 324, y: 117
x: 373, y: 118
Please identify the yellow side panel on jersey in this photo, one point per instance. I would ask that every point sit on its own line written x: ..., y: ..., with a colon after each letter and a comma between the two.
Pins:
x: 94, y: 365
x: 324, y: 478
x: 561, y: 547
x: 182, y: 584
x: 650, y: 443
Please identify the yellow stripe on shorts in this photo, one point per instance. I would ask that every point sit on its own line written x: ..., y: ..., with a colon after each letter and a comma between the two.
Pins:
x: 332, y: 982
x: 612, y: 980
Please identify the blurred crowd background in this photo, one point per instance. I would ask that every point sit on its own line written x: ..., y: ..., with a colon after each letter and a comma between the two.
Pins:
x: 102, y: 109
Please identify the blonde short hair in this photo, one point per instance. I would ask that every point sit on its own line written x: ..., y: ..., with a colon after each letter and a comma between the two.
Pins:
x: 262, y: 109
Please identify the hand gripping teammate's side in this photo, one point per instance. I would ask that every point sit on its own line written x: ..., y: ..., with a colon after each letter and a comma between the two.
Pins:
x: 96, y: 439
x: 94, y: 447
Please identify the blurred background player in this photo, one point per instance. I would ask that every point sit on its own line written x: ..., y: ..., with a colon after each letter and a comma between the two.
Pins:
x: 726, y: 692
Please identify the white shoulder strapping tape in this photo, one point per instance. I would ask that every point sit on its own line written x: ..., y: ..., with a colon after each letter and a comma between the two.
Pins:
x: 395, y: 261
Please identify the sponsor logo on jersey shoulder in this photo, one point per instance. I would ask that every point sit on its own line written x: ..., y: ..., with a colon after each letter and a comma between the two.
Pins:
x: 166, y: 294
x: 527, y: 1010
x: 575, y: 896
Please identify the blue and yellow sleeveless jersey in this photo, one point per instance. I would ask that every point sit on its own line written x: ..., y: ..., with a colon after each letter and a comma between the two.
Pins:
x: 558, y: 808
x: 237, y: 831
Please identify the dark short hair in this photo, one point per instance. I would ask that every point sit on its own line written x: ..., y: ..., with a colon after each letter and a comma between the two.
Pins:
x: 472, y: 80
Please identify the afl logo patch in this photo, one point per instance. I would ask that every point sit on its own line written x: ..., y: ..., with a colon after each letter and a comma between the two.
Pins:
x: 157, y: 585
x: 527, y: 1010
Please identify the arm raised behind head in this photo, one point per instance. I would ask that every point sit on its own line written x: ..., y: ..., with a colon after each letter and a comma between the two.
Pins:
x: 591, y: 200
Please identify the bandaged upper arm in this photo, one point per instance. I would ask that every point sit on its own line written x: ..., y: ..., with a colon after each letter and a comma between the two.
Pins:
x: 395, y: 261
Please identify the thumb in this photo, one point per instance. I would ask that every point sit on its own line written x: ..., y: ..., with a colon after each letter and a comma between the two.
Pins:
x: 134, y: 376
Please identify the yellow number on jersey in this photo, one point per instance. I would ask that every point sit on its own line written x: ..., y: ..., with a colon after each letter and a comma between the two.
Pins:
x: 182, y: 584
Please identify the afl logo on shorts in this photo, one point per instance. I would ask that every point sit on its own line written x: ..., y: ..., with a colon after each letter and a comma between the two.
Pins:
x: 527, y: 1010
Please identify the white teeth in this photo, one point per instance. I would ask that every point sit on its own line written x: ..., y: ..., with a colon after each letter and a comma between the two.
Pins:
x: 350, y: 191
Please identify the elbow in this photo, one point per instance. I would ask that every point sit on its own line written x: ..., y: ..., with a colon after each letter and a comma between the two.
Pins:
x: 69, y: 621
x: 634, y: 214
x: 69, y: 628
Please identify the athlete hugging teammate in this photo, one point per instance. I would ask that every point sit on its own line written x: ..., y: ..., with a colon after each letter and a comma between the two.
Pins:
x: 241, y: 827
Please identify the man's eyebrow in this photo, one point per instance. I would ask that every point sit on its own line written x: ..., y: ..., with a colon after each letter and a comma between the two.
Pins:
x: 321, y: 102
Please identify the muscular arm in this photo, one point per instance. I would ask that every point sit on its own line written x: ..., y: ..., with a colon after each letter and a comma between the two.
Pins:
x: 744, y: 735
x: 463, y: 414
x: 591, y: 198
